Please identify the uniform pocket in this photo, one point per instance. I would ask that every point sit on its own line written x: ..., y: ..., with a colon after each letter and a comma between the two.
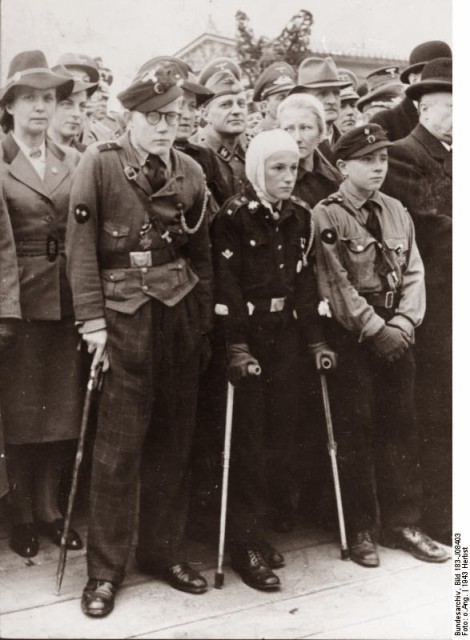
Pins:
x: 360, y: 262
x: 113, y: 282
x: 114, y: 237
x: 397, y: 249
x: 257, y: 261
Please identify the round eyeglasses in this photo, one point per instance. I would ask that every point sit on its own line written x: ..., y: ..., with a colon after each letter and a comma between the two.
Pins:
x: 171, y: 117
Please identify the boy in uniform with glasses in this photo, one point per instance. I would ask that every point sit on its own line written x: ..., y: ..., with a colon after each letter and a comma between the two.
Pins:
x: 140, y: 270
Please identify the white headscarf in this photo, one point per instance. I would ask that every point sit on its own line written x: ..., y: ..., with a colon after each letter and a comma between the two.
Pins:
x: 261, y: 147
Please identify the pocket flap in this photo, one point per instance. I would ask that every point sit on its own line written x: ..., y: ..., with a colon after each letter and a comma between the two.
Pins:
x: 116, y: 230
x: 358, y: 245
x: 395, y: 244
x: 114, y: 275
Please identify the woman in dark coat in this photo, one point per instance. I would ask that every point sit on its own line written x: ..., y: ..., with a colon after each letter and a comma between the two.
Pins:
x: 40, y: 390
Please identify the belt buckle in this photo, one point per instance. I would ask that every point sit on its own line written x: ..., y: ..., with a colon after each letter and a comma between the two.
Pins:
x: 131, y: 173
x: 389, y: 299
x: 52, y: 248
x: 140, y: 259
x: 277, y: 304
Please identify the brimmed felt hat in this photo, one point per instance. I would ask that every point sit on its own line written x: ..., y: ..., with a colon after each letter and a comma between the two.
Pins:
x: 423, y: 53
x: 181, y: 71
x: 219, y: 64
x: 360, y: 141
x: 380, y: 83
x: 82, y: 61
x: 152, y: 89
x: 277, y: 77
x: 319, y: 73
x: 78, y: 85
x: 30, y: 69
x: 436, y: 76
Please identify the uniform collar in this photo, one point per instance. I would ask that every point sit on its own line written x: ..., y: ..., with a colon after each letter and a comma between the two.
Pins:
x: 212, y: 140
x: 27, y: 150
x: 137, y: 158
x: 358, y: 201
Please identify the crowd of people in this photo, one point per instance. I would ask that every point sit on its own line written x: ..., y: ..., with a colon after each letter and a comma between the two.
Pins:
x: 207, y: 232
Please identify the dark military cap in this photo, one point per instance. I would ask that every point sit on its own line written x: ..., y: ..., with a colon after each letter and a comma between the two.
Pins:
x: 424, y: 53
x: 360, y: 141
x: 219, y: 64
x: 182, y: 71
x: 157, y: 86
x: 279, y: 76
x: 78, y: 85
x: 223, y: 83
x: 436, y: 77
x: 381, y: 83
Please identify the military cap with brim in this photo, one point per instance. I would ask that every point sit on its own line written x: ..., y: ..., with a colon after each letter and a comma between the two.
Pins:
x: 319, y: 73
x: 30, y: 69
x: 360, y: 141
x: 81, y: 61
x: 78, y: 85
x: 436, y: 77
x: 277, y: 77
x: 181, y: 71
x: 219, y: 64
x: 424, y: 53
x: 346, y: 75
x: 151, y: 90
x: 223, y: 83
x: 348, y: 94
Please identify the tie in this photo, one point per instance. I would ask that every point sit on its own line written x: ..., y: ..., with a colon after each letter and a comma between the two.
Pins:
x: 35, y: 153
x: 373, y: 223
x: 154, y: 169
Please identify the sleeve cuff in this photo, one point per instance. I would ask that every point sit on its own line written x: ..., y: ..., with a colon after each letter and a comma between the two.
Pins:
x: 372, y: 326
x: 403, y: 323
x: 90, y: 326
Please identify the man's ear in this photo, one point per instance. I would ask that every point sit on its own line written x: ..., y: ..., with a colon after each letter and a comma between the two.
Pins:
x: 342, y: 167
x: 263, y: 105
x: 204, y: 112
x: 127, y: 117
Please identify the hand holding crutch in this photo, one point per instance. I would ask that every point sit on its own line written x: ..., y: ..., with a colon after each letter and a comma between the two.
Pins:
x: 241, y: 364
x: 94, y: 382
x: 326, y: 360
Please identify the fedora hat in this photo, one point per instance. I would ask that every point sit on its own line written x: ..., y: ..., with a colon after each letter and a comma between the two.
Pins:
x: 78, y: 85
x: 81, y: 61
x: 424, y: 53
x: 30, y: 69
x: 319, y: 73
x: 436, y: 76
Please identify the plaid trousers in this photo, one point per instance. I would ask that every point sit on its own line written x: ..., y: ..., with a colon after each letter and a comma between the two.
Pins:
x: 144, y: 437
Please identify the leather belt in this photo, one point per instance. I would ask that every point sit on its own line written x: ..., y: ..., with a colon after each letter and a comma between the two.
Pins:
x: 136, y: 259
x: 49, y: 248
x: 272, y: 305
x: 385, y: 299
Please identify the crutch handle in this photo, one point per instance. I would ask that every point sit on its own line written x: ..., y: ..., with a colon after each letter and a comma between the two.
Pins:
x: 254, y: 370
x: 326, y: 363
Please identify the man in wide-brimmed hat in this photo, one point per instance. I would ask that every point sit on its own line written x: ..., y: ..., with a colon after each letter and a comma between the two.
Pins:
x: 399, y: 121
x: 320, y: 78
x: 141, y: 276
x: 420, y: 175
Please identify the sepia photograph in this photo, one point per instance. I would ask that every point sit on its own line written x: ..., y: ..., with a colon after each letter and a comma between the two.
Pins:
x: 232, y: 320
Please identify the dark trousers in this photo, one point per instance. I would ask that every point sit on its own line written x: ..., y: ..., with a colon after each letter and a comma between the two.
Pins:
x: 265, y: 419
x: 372, y: 403
x: 144, y: 437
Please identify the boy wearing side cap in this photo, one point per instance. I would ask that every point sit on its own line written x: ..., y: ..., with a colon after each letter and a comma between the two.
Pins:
x: 371, y: 277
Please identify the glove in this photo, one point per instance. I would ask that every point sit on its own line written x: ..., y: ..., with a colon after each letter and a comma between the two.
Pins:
x: 390, y: 343
x: 239, y: 357
x: 320, y: 351
x: 205, y: 352
x: 8, y: 334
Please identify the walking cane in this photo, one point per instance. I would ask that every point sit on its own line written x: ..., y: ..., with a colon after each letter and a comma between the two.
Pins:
x: 325, y: 365
x: 94, y: 382
x: 253, y: 370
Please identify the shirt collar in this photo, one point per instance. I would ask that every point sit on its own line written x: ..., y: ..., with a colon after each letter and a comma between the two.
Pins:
x: 27, y: 150
x: 446, y: 146
x: 358, y: 201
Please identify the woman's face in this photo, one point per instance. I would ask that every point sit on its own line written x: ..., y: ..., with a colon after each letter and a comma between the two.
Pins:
x: 32, y: 109
x: 301, y: 123
x: 70, y: 114
x: 280, y: 173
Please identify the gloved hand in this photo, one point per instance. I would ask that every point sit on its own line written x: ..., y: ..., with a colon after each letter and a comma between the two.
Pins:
x: 8, y: 334
x: 320, y: 351
x: 205, y: 352
x: 239, y: 358
x: 390, y: 343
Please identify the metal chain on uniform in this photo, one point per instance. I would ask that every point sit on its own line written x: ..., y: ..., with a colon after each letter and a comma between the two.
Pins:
x: 184, y: 224
x: 310, y: 240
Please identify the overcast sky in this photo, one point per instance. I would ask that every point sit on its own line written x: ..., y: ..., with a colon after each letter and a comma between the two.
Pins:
x: 125, y: 33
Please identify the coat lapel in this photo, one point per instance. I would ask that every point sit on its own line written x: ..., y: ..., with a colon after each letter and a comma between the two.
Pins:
x: 56, y: 169
x: 20, y: 167
x: 434, y: 148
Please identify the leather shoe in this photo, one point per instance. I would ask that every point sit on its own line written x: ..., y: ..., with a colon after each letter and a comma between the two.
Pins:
x: 362, y: 550
x: 183, y: 577
x: 273, y: 557
x: 54, y: 531
x: 98, y: 598
x: 24, y: 540
x: 254, y: 569
x: 416, y: 542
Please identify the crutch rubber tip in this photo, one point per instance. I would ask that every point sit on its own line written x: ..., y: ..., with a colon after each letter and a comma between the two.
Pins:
x: 344, y: 554
x: 219, y: 580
